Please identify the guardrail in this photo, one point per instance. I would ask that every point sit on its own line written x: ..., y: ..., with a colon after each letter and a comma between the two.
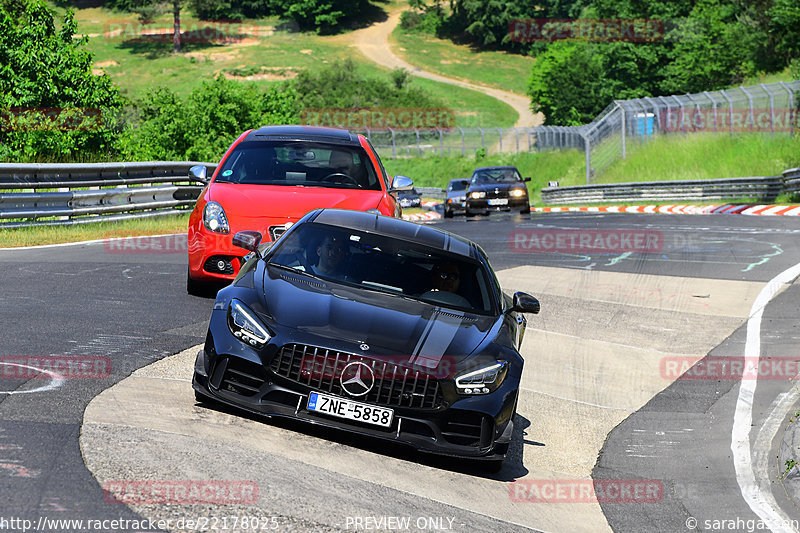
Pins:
x: 761, y: 188
x: 94, y: 192
x: 791, y: 180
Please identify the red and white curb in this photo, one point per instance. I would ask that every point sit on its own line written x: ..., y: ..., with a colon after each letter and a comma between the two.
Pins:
x: 683, y: 209
x: 428, y: 215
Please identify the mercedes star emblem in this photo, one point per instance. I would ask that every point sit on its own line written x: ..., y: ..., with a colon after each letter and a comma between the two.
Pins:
x: 357, y: 379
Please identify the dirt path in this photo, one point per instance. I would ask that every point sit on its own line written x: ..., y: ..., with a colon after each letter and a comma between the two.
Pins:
x: 373, y: 43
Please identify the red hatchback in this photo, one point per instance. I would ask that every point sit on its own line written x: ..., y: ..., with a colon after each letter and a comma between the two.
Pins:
x: 272, y: 176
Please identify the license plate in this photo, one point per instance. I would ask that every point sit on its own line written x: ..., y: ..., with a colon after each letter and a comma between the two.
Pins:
x: 344, y: 408
x: 498, y: 201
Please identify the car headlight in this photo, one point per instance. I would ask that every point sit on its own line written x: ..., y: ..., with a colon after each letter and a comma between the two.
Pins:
x: 483, y: 380
x: 214, y: 218
x: 517, y: 193
x: 245, y: 326
x: 477, y: 194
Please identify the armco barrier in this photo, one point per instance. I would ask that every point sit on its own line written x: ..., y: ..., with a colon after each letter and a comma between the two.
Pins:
x: 766, y: 189
x: 94, y: 191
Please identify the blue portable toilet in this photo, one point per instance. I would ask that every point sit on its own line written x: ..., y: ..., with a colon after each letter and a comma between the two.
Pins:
x: 644, y: 124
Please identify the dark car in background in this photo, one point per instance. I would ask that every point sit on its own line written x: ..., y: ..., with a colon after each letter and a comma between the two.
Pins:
x: 497, y: 189
x: 409, y: 198
x: 372, y: 325
x: 455, y: 197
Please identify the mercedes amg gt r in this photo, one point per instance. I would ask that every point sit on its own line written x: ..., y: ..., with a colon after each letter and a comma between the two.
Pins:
x: 373, y: 325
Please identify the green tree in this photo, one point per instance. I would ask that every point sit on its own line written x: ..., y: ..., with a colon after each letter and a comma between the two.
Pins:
x: 51, y: 104
x: 568, y: 83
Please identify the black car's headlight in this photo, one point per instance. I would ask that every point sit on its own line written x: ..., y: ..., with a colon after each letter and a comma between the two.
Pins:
x: 517, y: 193
x: 214, y: 218
x: 482, y: 380
x: 245, y: 326
x: 477, y: 194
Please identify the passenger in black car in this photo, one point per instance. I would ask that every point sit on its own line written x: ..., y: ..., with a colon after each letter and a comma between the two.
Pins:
x: 445, y: 282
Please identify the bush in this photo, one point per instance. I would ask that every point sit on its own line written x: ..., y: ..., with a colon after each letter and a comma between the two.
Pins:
x: 202, y: 126
x: 51, y: 104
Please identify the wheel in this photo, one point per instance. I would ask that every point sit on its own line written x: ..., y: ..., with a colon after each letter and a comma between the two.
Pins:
x: 526, y: 211
x: 448, y: 213
x: 339, y: 177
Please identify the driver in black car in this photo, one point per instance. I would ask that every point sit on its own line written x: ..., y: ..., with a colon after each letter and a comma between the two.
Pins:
x: 332, y: 254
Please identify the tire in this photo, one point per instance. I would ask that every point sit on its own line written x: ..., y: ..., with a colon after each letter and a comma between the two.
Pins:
x: 196, y: 288
x: 526, y: 211
x: 448, y: 213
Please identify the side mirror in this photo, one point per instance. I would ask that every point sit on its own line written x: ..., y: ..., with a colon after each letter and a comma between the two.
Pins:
x: 526, y: 179
x: 199, y: 173
x: 465, y: 183
x: 249, y: 240
x: 525, y: 303
x: 401, y: 183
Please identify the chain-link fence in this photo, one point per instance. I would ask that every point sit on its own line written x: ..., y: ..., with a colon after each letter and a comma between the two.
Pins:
x: 770, y: 109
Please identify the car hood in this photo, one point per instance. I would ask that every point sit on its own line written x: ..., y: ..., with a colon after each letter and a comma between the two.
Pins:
x: 394, y: 328
x: 265, y: 205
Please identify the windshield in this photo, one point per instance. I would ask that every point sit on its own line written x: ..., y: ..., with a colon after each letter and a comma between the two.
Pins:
x: 299, y: 163
x: 492, y: 175
x: 386, y: 264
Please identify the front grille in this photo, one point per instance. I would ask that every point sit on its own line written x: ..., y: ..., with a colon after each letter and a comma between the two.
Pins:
x: 240, y: 376
x: 499, y: 193
x: 394, y: 385
x: 466, y: 429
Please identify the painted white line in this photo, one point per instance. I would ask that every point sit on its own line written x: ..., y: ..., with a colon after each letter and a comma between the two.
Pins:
x: 56, y: 380
x: 579, y: 401
x: 96, y: 241
x: 760, y: 501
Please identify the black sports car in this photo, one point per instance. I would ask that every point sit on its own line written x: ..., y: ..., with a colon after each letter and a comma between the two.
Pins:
x: 373, y: 325
x: 455, y: 197
x: 409, y: 198
x: 497, y: 189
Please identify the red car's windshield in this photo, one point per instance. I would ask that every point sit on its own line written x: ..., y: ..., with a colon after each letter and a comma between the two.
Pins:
x: 299, y: 163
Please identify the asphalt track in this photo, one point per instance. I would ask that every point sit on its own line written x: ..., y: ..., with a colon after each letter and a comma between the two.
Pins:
x: 597, y: 402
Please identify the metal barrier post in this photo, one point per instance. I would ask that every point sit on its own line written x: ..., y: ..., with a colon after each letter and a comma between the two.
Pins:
x: 750, y: 99
x: 730, y: 107
x: 622, y: 111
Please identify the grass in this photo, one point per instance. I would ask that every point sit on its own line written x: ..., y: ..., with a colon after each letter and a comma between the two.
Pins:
x: 38, y: 235
x: 501, y: 70
x: 702, y: 157
x: 139, y: 59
